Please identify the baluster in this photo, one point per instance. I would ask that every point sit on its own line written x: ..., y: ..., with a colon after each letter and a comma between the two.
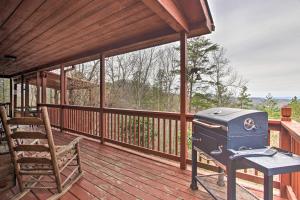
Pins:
x: 139, y: 129
x: 148, y: 132
x: 158, y: 134
x: 134, y: 132
x: 164, y: 135
x: 118, y: 127
x: 176, y: 137
x: 170, y: 136
x: 111, y: 126
x: 153, y: 132
x: 125, y: 129
x: 115, y: 134
x: 129, y: 130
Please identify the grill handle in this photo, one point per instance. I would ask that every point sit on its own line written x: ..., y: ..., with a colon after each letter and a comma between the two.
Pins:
x: 211, y: 126
x: 218, y: 151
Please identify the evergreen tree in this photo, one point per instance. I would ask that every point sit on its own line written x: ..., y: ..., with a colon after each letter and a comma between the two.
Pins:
x: 244, y: 100
x: 198, y: 67
x: 295, y: 105
x: 271, y: 107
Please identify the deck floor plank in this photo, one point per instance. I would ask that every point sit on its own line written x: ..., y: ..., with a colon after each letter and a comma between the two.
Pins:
x: 108, y: 160
x: 113, y: 174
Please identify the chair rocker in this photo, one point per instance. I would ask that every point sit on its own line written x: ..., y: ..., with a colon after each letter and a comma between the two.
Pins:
x: 40, y: 165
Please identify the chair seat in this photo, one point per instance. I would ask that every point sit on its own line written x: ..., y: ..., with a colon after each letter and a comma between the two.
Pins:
x: 61, y: 159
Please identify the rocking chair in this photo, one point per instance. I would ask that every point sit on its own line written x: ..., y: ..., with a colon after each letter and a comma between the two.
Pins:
x: 33, y: 162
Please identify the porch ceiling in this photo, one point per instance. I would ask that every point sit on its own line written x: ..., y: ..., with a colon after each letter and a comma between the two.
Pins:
x: 45, y: 33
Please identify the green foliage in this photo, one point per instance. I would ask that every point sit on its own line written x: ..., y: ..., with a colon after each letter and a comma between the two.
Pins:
x: 270, y: 106
x: 295, y: 105
x: 244, y: 100
x: 202, y: 101
x: 199, y: 67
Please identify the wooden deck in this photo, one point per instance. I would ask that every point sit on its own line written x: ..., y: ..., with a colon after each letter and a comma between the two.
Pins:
x: 110, y: 173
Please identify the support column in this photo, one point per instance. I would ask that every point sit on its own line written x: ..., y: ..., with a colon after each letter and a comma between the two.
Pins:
x: 66, y: 89
x: 15, y: 97
x: 22, y: 95
x: 26, y: 96
x: 102, y: 97
x: 55, y: 97
x: 38, y: 88
x: 285, y: 143
x: 44, y: 87
x: 62, y: 96
x: 183, y: 100
x: 11, y: 95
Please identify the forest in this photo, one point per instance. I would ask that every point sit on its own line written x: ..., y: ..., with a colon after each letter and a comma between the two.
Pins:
x: 149, y: 80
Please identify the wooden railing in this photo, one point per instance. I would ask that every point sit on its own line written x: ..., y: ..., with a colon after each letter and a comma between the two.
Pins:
x: 158, y: 133
x: 290, y: 141
x: 152, y: 132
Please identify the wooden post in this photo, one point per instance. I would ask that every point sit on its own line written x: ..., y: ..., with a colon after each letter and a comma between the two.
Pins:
x: 62, y: 96
x: 38, y: 88
x: 102, y: 96
x: 44, y: 87
x: 26, y: 95
x: 55, y: 97
x: 285, y: 143
x: 11, y: 94
x: 15, y: 97
x: 183, y: 100
x: 66, y: 88
x: 22, y: 95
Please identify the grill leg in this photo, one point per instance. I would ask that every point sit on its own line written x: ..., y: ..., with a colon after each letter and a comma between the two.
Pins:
x: 268, y: 187
x: 194, y: 170
x: 221, y: 181
x: 231, y: 180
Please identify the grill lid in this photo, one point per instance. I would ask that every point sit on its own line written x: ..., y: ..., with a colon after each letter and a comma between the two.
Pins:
x: 223, y: 115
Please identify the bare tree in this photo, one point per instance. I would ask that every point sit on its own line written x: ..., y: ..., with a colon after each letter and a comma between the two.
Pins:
x: 225, y: 82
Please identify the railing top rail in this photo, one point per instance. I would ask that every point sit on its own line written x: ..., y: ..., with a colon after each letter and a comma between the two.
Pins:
x: 145, y: 113
x: 293, y: 129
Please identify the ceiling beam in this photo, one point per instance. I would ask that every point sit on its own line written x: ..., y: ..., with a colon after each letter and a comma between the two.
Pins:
x: 206, y: 11
x: 170, y: 13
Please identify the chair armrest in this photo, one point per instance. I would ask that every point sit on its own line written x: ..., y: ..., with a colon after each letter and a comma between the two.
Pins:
x: 68, y: 147
x: 25, y: 121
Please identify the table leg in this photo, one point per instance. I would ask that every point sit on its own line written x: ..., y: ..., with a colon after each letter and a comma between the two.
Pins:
x: 231, y: 180
x: 268, y: 187
x: 194, y: 170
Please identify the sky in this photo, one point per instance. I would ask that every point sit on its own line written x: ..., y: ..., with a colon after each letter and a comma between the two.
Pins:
x: 262, y: 42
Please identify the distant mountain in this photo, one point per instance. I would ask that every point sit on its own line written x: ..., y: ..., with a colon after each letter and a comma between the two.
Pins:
x: 282, y: 101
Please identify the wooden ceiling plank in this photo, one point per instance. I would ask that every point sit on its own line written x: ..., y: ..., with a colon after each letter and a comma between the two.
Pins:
x: 91, y: 40
x: 44, y: 39
x: 7, y: 8
x: 54, y: 19
x: 170, y: 13
x: 25, y: 10
x: 66, y: 36
x: 109, y: 28
x: 94, y: 42
x: 124, y: 47
x: 38, y: 17
x: 108, y: 37
x: 108, y: 25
